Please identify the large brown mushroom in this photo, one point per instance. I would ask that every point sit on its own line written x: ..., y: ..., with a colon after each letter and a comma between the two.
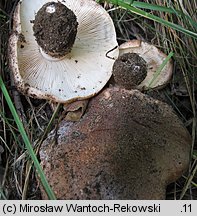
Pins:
x: 126, y: 146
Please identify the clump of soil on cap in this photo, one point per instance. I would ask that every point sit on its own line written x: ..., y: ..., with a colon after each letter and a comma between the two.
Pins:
x: 129, y: 70
x: 55, y: 29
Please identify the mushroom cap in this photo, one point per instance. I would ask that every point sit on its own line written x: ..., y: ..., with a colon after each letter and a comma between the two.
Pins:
x: 154, y: 58
x: 126, y: 146
x: 82, y: 73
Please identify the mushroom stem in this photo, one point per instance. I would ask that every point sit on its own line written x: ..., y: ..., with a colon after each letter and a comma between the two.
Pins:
x: 55, y: 29
x: 129, y: 70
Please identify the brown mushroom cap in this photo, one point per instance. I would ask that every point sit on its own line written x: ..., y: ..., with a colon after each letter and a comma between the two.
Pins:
x: 126, y: 146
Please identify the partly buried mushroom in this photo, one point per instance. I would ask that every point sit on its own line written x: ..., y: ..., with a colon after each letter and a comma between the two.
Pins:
x: 145, y: 54
x: 62, y: 50
x: 126, y: 146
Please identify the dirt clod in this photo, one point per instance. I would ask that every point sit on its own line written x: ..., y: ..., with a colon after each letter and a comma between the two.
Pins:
x: 129, y: 70
x: 55, y: 29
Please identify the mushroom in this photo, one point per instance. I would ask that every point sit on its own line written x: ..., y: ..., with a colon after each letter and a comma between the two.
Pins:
x: 62, y: 50
x: 153, y: 58
x: 126, y: 146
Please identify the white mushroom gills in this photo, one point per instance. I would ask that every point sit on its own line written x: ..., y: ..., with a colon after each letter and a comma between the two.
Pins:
x: 80, y: 74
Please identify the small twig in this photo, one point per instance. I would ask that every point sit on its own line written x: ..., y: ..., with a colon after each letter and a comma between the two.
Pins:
x: 37, y: 145
x: 189, y: 180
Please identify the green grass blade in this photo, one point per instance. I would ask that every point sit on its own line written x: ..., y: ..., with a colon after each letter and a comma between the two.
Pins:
x: 144, y: 5
x: 2, y: 195
x: 43, y: 179
x: 161, y: 68
x: 153, y: 17
x: 195, y: 154
x: 49, y: 124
